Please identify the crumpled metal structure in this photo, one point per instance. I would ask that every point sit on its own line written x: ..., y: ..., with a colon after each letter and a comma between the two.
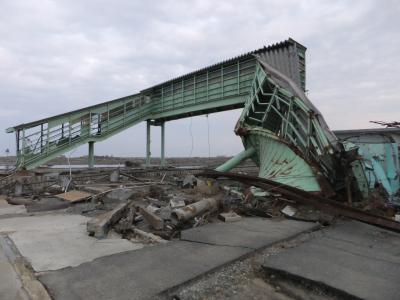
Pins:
x: 293, y: 143
x: 288, y: 138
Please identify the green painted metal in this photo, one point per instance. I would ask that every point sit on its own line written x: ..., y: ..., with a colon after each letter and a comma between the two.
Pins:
x: 163, y: 144
x: 294, y: 146
x: 91, y: 155
x: 236, y: 160
x: 279, y: 162
x: 148, y: 143
x: 219, y: 87
x: 290, y: 136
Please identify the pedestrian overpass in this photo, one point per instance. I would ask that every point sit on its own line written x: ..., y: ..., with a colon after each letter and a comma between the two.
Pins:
x: 219, y: 87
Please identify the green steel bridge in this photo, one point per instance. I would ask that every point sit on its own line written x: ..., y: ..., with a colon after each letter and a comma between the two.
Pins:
x: 219, y: 87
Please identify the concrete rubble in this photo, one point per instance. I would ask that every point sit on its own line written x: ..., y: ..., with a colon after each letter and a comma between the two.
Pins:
x: 125, y: 214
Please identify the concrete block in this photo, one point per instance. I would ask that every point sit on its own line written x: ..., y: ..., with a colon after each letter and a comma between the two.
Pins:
x: 155, y: 221
x: 100, y: 225
x: 229, y: 217
x: 176, y: 203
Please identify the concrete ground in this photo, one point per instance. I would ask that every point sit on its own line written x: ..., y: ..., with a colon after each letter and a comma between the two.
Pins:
x: 149, y: 271
x: 10, y: 284
x: 215, y: 261
x: 55, y: 241
x: 10, y: 210
x: 352, y: 258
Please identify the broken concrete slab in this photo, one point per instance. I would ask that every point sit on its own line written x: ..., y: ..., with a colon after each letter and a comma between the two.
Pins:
x: 150, y: 269
x: 74, y: 196
x: 353, y: 257
x: 51, y: 242
x: 254, y: 233
x: 155, y: 221
x: 138, y: 274
x: 100, y: 225
x: 10, y: 284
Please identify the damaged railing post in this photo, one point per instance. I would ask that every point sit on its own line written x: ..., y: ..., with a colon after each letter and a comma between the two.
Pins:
x: 91, y: 155
x: 237, y: 159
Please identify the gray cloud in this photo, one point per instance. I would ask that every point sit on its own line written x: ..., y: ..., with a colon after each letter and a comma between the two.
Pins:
x: 57, y: 56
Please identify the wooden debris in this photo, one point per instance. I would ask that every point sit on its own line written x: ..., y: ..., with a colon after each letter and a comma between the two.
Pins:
x: 74, y: 196
x: 149, y: 236
x: 155, y: 221
x: 100, y: 225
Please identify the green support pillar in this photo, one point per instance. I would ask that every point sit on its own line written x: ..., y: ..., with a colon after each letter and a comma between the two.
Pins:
x: 163, y: 144
x: 237, y: 159
x: 91, y: 155
x: 148, y: 141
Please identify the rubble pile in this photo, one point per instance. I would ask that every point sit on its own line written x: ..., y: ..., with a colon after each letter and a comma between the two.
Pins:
x: 154, y: 207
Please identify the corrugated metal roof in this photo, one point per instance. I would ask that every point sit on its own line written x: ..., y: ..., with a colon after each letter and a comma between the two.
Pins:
x: 264, y: 49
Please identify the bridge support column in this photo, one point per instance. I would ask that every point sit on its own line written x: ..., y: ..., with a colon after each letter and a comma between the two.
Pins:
x: 148, y: 142
x: 163, y: 144
x: 91, y: 155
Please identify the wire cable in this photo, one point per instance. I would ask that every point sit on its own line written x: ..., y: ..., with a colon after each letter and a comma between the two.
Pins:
x: 191, y: 137
x: 70, y: 170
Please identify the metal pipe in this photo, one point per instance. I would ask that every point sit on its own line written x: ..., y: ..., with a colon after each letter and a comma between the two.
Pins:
x: 192, y: 210
x: 148, y: 153
x: 163, y: 144
x: 237, y: 159
x: 91, y: 155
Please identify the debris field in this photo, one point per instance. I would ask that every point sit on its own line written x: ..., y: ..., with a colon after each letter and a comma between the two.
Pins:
x: 60, y: 224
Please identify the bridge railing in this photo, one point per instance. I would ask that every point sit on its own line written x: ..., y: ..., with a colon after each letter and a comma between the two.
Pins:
x: 216, y: 88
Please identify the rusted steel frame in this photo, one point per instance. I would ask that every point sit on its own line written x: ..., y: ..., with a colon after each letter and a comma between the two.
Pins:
x: 321, y: 203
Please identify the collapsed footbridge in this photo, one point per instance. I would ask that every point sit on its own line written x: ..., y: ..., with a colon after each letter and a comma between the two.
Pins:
x: 281, y: 130
x: 220, y: 87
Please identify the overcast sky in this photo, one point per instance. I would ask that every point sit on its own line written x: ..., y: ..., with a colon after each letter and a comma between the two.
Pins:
x: 57, y: 56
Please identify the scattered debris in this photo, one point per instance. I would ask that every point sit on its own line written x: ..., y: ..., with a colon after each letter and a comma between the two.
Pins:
x: 176, y: 203
x: 114, y: 176
x: 207, y: 187
x: 193, y: 210
x: 149, y: 236
x: 100, y: 225
x: 189, y: 181
x: 289, y: 211
x: 229, y: 217
x: 74, y: 196
x: 155, y: 221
